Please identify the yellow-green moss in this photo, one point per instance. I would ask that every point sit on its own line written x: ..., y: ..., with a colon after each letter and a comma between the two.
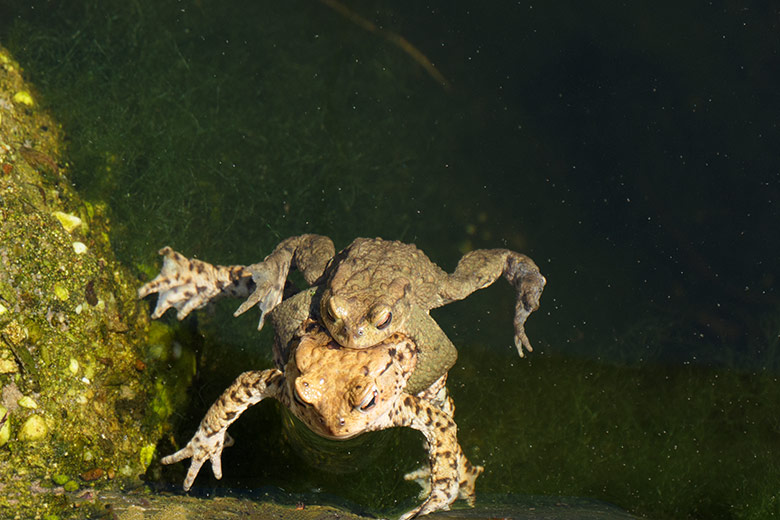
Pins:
x: 146, y: 454
x: 59, y: 479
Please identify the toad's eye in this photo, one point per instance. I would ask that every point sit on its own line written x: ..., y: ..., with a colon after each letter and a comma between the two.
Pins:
x: 384, y: 320
x: 334, y: 308
x: 368, y: 402
x: 329, y: 314
x: 331, y: 310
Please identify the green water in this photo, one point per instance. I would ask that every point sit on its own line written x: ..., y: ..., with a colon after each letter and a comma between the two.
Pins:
x: 630, y: 151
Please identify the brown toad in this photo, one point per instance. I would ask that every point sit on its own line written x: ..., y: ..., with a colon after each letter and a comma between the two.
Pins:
x: 368, y: 291
x: 339, y: 393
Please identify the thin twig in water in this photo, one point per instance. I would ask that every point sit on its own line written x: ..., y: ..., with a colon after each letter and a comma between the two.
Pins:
x: 392, y: 37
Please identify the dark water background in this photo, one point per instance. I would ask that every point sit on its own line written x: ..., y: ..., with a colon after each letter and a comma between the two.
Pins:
x: 631, y: 150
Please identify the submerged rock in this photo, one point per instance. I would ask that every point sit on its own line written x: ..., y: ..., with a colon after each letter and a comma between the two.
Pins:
x: 303, y: 507
x: 5, y: 426
x: 33, y: 429
x: 71, y: 330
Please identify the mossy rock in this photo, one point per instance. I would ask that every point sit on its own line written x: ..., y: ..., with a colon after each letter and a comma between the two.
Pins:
x: 73, y: 337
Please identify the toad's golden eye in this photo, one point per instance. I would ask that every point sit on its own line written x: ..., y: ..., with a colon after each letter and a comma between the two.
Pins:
x: 384, y: 320
x: 368, y: 402
x: 331, y: 310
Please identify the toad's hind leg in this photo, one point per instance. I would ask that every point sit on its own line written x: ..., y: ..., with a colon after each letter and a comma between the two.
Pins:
x: 435, y: 352
x: 309, y: 254
x: 444, y: 453
x: 481, y: 267
x: 467, y: 478
x: 438, y: 396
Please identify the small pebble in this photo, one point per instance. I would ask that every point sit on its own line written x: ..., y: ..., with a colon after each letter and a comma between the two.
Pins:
x: 61, y: 291
x: 73, y: 366
x: 69, y: 222
x: 27, y: 402
x: 33, y: 429
x: 24, y: 98
x: 79, y: 247
x: 92, y: 474
x: 5, y: 430
x: 59, y: 479
x: 8, y: 363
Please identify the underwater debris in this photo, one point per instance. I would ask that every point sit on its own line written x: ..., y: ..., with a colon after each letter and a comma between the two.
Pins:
x: 39, y: 160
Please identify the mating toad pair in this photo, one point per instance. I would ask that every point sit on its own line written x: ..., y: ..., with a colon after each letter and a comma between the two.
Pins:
x: 357, y: 351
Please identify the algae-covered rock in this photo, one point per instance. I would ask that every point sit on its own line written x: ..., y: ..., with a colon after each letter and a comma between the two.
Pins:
x: 5, y: 426
x: 33, y: 429
x: 72, y: 334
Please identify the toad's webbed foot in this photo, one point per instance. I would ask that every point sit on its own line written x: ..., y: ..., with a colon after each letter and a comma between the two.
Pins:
x: 422, y: 476
x: 480, y: 268
x: 188, y: 284
x: 200, y: 449
x: 309, y: 254
x: 269, y: 278
x: 467, y: 478
x: 525, y: 277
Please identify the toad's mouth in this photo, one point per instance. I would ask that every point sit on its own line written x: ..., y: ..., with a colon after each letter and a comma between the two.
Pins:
x: 338, y: 436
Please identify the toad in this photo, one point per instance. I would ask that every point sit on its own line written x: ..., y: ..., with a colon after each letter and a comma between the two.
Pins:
x: 367, y: 292
x: 339, y: 393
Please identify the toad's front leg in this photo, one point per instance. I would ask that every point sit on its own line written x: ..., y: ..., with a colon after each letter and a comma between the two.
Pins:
x: 188, y: 284
x: 481, y: 267
x: 449, y: 469
x: 207, y: 443
x: 310, y: 254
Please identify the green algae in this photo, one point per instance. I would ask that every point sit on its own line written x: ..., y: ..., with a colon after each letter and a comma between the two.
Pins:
x: 60, y: 479
x: 80, y: 384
